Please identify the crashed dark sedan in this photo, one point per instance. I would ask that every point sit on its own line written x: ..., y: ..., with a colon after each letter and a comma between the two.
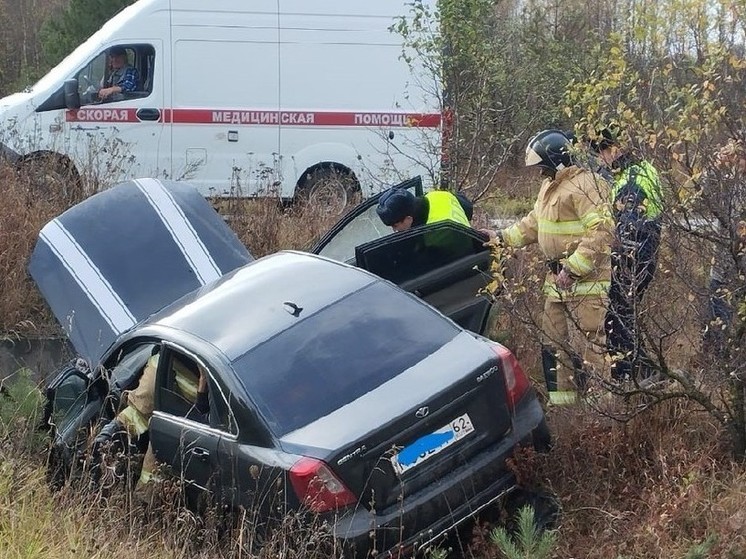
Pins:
x: 345, y: 379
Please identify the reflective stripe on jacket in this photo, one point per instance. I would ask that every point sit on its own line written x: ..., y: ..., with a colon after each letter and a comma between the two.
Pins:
x: 443, y: 205
x: 571, y: 221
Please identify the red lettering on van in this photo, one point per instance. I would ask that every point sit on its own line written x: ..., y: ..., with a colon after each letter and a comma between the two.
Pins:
x: 101, y: 115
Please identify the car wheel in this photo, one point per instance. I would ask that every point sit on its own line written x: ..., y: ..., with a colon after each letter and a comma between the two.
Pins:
x: 329, y: 190
x: 50, y: 178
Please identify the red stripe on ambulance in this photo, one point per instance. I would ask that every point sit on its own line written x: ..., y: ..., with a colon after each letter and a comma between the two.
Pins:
x: 100, y: 114
x: 304, y: 118
x: 235, y: 117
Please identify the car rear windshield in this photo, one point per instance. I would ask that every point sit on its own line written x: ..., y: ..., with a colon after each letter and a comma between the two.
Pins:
x: 339, y: 354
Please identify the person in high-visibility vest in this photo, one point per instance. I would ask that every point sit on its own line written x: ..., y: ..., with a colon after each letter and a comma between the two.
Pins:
x: 571, y: 222
x: 134, y: 420
x: 637, y: 205
x: 400, y: 209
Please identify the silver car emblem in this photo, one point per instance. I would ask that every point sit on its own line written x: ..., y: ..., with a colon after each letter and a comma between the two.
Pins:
x: 422, y: 412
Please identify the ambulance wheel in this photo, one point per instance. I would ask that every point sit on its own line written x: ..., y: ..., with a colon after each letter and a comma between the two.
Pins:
x: 329, y: 189
x: 52, y: 178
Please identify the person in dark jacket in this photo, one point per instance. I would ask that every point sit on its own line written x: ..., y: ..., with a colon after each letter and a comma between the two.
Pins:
x: 637, y: 206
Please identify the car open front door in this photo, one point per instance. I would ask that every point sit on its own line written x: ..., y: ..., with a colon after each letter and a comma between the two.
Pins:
x: 360, y: 225
x: 444, y: 263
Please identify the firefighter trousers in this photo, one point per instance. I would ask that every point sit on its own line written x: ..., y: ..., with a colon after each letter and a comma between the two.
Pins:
x: 573, y: 334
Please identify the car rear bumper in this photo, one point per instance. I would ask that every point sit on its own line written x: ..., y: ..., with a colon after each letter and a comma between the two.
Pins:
x: 424, y: 517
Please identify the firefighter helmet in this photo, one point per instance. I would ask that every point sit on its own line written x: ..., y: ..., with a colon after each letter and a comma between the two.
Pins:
x: 550, y: 150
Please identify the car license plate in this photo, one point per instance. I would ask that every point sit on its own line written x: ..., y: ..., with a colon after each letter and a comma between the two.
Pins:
x: 430, y: 445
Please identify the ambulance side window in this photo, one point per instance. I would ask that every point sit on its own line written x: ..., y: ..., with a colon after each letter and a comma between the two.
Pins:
x: 109, y: 67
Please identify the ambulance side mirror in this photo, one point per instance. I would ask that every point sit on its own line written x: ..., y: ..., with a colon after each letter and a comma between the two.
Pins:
x: 72, y: 98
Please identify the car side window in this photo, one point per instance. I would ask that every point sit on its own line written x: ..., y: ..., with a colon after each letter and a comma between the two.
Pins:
x: 360, y: 225
x: 179, y: 391
x: 134, y: 73
x: 125, y: 366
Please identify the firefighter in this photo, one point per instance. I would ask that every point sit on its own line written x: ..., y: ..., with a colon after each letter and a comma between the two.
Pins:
x: 134, y: 420
x: 571, y: 221
x: 637, y: 207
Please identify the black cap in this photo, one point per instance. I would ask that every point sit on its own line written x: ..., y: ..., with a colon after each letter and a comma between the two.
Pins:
x: 394, y: 205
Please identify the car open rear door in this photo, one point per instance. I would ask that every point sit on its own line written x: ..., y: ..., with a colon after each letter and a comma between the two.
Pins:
x: 444, y: 263
x: 360, y: 225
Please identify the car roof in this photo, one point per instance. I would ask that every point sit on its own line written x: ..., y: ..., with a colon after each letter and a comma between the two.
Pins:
x: 259, y: 300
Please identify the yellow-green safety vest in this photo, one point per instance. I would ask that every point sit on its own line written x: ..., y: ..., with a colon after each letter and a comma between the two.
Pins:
x: 445, y: 206
x: 645, y: 177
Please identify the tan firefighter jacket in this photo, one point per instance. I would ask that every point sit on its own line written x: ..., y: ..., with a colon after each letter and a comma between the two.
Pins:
x: 572, y: 223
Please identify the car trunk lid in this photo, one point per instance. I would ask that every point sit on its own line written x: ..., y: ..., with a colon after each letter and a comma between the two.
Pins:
x: 434, y: 417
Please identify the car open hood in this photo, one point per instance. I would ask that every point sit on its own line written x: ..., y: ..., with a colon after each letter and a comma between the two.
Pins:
x: 123, y: 254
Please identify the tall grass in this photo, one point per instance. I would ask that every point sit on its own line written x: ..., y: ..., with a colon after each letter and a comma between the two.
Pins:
x: 654, y: 487
x: 22, y: 215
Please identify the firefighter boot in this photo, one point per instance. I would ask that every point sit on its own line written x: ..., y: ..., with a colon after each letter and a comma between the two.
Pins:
x: 549, y: 365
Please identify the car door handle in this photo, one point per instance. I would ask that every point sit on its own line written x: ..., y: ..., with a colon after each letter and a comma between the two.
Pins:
x: 201, y: 453
x: 148, y: 114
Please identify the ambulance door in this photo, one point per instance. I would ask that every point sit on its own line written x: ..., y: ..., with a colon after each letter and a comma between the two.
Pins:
x: 226, y: 98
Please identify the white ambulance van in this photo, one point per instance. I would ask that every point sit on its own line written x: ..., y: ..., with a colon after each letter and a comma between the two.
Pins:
x: 238, y: 97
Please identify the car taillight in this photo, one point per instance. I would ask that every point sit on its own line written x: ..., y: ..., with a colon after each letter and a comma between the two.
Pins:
x: 317, y: 487
x: 516, y: 381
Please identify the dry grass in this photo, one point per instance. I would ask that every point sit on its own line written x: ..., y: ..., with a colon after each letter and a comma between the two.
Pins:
x: 107, y: 519
x: 22, y: 215
x: 265, y: 226
x: 653, y: 487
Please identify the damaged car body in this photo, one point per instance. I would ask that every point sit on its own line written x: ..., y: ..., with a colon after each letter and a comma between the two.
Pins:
x: 357, y: 379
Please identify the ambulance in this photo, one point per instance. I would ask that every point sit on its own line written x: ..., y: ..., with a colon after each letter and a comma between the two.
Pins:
x: 239, y: 97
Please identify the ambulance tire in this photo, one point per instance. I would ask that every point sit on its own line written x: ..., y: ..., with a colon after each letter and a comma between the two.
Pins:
x: 50, y: 177
x: 329, y: 189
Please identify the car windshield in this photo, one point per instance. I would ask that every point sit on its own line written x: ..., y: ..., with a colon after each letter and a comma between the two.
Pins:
x: 339, y: 354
